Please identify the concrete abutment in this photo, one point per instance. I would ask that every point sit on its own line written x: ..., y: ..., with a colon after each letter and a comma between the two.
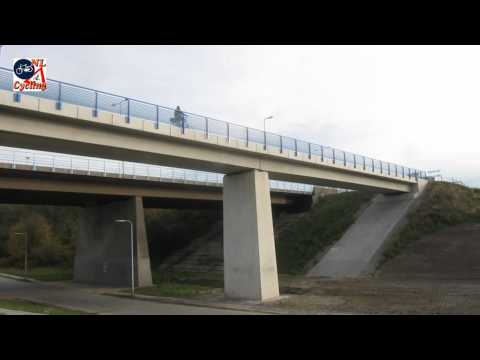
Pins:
x: 103, y: 254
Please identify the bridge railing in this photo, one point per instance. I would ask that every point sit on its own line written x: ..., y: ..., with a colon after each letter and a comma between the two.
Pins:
x: 43, y: 161
x: 62, y: 92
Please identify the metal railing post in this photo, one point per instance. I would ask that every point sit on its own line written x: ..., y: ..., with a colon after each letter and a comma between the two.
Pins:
x: 59, y: 103
x: 128, y: 110
x: 309, y: 151
x: 247, y: 136
x: 228, y: 132
x: 373, y: 165
x: 157, y: 121
x: 95, y: 111
x: 364, y: 165
x: 381, y: 167
x: 296, y: 147
x: 396, y: 171
x: 321, y: 152
x: 333, y: 152
x: 183, y: 124
x: 388, y: 165
x: 354, y: 161
x: 344, y: 159
x: 206, y: 127
x: 281, y: 144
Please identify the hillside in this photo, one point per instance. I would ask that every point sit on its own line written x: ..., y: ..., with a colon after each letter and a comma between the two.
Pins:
x: 442, y: 230
x: 298, y: 237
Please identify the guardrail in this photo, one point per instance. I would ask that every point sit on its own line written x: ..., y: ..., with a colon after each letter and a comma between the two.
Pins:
x: 43, y: 161
x: 62, y: 92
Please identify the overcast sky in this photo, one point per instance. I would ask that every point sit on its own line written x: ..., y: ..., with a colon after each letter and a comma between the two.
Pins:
x: 413, y: 105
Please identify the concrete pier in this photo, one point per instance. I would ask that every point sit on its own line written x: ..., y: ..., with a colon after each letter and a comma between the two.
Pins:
x: 103, y: 253
x: 250, y: 265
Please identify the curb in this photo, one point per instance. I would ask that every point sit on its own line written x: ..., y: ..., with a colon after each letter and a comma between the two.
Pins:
x: 18, y: 278
x: 180, y: 301
x: 16, y: 312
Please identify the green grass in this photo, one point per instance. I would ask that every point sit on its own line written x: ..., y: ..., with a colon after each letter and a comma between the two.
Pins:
x: 442, y: 205
x: 183, y: 284
x: 38, y: 308
x: 300, y: 237
x: 177, y: 290
x: 42, y: 273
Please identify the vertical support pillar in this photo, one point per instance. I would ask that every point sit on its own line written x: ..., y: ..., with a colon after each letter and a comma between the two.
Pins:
x: 250, y: 265
x: 102, y: 254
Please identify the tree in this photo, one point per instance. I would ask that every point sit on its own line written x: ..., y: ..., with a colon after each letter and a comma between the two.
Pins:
x: 44, y: 247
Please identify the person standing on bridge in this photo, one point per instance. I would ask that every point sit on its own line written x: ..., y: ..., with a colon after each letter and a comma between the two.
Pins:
x: 179, y: 118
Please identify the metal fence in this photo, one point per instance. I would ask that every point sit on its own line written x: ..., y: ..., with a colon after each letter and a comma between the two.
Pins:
x: 44, y: 161
x: 62, y: 92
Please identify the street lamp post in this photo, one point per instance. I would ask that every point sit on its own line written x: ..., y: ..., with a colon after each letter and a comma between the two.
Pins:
x: 26, y: 250
x: 265, y: 131
x: 131, y: 251
x: 119, y: 103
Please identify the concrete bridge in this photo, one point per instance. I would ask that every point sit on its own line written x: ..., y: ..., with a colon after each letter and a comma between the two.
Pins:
x: 248, y: 161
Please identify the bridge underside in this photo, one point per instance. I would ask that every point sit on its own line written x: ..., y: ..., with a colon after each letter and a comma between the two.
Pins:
x: 63, y: 189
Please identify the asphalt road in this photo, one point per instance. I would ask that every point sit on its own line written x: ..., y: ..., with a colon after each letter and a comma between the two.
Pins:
x: 89, y: 299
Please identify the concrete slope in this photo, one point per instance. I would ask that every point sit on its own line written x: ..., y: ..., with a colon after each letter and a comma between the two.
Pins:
x: 356, y: 252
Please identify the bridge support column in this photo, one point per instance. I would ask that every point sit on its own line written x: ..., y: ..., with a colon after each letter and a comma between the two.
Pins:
x: 250, y: 265
x: 103, y: 254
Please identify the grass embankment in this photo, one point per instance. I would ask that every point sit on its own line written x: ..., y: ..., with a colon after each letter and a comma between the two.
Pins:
x: 37, y: 308
x: 42, y: 273
x: 300, y: 237
x: 442, y: 205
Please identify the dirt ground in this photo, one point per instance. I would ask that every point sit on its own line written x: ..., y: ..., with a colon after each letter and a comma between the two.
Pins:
x: 379, y: 296
x: 438, y: 274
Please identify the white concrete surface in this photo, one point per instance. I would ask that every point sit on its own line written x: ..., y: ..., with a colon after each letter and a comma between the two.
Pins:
x: 358, y: 249
x: 250, y: 265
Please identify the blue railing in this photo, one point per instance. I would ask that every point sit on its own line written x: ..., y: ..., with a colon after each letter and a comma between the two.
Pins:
x: 98, y: 101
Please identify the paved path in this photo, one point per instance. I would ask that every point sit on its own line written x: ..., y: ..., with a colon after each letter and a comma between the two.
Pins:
x: 89, y: 299
x: 355, y: 253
